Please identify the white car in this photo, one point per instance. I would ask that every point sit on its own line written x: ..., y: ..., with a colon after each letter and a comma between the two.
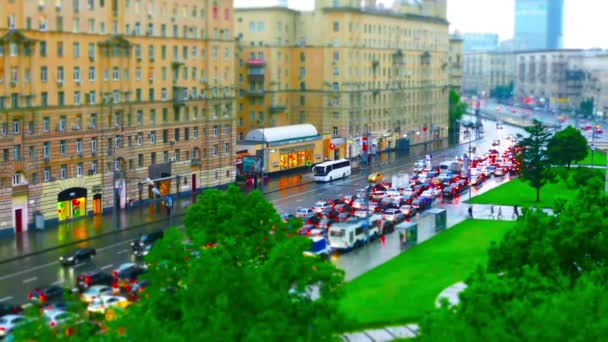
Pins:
x: 392, y: 192
x: 392, y: 215
x: 58, y: 317
x: 319, y: 206
x: 100, y: 305
x: 359, y: 203
x: 95, y: 292
x: 8, y: 323
x: 407, y: 210
x: 303, y: 212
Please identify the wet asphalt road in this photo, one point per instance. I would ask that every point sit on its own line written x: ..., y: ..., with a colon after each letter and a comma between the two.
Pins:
x: 18, y: 278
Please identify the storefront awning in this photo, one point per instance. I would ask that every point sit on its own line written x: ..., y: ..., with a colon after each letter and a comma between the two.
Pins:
x: 283, y: 134
x: 338, y: 141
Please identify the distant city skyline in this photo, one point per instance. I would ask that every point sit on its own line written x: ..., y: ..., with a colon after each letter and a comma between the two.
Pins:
x: 582, y: 18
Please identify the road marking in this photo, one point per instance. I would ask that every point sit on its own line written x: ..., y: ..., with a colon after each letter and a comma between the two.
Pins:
x: 29, y: 280
x: 122, y: 251
x: 11, y: 275
x: 78, y: 265
x: 6, y: 299
x: 58, y: 282
x: 106, y: 266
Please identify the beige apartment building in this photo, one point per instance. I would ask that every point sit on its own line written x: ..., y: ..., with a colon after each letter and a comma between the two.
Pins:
x: 349, y: 70
x: 456, y: 62
x: 101, y: 98
x: 587, y: 76
x: 484, y: 71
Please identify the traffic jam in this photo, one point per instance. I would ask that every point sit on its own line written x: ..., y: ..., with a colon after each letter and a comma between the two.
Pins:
x: 98, y: 290
x: 350, y: 221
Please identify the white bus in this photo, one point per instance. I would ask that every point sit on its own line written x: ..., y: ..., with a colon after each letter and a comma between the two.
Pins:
x: 331, y: 170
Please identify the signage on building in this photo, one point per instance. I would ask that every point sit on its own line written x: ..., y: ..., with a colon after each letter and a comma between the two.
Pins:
x: 96, y: 189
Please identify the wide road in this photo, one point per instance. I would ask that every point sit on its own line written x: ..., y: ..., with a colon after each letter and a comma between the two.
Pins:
x: 18, y: 278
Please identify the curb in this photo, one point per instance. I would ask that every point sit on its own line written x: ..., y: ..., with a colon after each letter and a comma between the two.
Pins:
x: 95, y: 237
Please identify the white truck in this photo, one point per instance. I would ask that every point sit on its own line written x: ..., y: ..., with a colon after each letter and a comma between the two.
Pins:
x: 400, y: 181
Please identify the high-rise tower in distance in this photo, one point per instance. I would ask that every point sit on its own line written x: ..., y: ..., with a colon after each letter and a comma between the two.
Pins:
x: 539, y: 24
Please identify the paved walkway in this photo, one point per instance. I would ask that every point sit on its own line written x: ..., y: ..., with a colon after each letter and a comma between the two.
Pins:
x: 384, y: 334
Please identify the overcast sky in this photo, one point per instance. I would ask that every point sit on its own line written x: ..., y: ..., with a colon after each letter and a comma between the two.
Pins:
x: 583, y: 19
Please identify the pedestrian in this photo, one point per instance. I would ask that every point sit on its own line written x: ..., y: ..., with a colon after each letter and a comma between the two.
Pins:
x: 492, y: 211
x: 470, y: 211
x: 499, y: 213
x: 515, y: 212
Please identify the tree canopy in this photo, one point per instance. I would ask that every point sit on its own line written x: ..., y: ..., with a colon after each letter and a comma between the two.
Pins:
x: 586, y: 107
x: 536, y: 164
x: 567, y: 146
x: 546, y: 279
x: 242, y: 277
x: 457, y: 108
x: 237, y: 272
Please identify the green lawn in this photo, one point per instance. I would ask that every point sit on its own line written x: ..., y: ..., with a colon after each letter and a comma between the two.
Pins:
x: 517, y: 192
x: 599, y: 158
x: 403, y: 289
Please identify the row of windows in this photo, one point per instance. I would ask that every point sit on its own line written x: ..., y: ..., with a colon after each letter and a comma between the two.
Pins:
x: 115, y: 97
x: 79, y: 149
x: 186, y: 51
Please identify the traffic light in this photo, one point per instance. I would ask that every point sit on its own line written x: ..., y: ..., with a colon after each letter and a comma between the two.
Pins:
x: 332, y: 146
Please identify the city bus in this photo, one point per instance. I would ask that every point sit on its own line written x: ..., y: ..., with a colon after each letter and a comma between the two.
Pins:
x: 331, y: 170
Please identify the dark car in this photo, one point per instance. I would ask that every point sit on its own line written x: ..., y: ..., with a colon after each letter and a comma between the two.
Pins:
x: 146, y: 239
x: 86, y: 280
x: 422, y: 203
x: 329, y: 212
x: 450, y: 191
x: 9, y: 309
x: 47, y: 294
x: 312, y: 219
x: 342, y: 208
x: 125, y: 278
x: 78, y: 256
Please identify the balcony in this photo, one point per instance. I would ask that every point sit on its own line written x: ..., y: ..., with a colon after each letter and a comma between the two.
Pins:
x: 256, y: 72
x: 256, y: 62
x: 255, y: 92
x: 195, y: 162
x: 277, y: 108
x: 179, y: 96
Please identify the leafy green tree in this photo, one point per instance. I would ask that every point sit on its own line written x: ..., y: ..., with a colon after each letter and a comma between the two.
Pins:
x: 502, y: 92
x: 536, y: 164
x: 548, y: 272
x: 457, y: 109
x: 242, y: 276
x: 567, y: 146
x: 586, y: 107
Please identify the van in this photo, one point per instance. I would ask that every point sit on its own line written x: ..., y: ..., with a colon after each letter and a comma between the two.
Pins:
x: 346, y: 236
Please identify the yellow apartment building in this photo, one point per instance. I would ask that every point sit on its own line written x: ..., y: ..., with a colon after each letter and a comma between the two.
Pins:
x: 104, y: 97
x: 349, y: 70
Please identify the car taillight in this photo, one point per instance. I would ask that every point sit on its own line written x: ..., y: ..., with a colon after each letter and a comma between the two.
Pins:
x: 128, y: 288
x: 30, y: 296
x: 88, y: 280
x: 115, y: 274
x: 42, y: 297
x: 2, y: 329
x: 53, y: 324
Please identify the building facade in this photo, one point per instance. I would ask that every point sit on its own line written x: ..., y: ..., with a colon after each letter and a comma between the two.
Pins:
x: 348, y: 70
x: 539, y: 24
x: 102, y: 101
x: 455, y: 61
x: 484, y: 71
x: 542, y: 77
x: 480, y: 42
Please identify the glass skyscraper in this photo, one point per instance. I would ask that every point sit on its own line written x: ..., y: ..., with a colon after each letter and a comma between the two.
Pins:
x: 539, y: 24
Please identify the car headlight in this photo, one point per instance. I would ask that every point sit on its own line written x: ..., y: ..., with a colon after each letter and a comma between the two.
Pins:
x: 71, y: 258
